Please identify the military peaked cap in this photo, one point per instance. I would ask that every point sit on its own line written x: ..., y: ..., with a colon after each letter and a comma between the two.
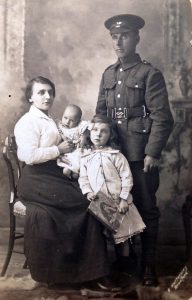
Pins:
x: 124, y: 23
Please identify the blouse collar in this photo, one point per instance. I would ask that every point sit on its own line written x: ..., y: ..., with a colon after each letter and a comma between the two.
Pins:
x: 37, y: 112
x: 103, y: 151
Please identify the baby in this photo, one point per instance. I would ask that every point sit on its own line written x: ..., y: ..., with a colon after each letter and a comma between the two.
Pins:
x: 71, y: 127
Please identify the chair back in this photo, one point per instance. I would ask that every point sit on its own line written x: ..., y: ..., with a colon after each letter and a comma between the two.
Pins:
x: 14, y: 173
x: 13, y: 165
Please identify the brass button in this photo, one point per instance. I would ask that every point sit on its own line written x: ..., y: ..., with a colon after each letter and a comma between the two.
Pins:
x: 120, y: 69
x: 118, y: 96
x: 119, y: 122
x: 119, y: 82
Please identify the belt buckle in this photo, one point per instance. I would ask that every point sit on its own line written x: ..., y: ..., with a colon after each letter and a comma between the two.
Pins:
x: 119, y: 113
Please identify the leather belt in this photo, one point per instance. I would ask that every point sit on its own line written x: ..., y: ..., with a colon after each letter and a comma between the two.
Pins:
x: 128, y: 113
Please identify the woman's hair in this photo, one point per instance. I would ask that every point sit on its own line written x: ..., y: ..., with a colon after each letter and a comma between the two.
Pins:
x: 39, y: 79
x: 113, y: 139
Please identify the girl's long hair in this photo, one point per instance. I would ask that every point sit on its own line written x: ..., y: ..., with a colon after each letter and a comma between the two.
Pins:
x: 113, y: 139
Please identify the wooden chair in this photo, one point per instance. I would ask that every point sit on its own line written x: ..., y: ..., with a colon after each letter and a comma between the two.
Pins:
x: 14, y: 173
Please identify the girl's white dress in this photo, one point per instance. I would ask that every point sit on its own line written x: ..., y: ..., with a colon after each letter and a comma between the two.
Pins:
x: 107, y: 170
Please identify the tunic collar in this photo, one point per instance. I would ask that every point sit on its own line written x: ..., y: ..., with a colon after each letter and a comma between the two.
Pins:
x: 37, y: 112
x: 136, y: 59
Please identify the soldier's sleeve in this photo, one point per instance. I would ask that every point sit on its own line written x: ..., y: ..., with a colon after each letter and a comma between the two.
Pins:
x: 101, y: 107
x: 157, y: 102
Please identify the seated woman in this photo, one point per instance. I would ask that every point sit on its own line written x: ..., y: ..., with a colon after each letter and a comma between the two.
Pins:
x: 63, y: 243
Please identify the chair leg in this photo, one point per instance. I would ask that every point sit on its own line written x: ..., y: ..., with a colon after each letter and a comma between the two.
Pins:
x: 10, y: 246
x: 186, y: 214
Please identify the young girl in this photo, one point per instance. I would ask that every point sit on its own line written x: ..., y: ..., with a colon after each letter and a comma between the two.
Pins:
x: 105, y: 170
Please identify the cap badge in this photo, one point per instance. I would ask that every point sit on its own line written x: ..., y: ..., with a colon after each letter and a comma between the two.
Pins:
x: 118, y: 24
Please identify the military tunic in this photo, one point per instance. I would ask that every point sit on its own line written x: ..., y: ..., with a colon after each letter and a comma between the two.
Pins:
x: 134, y: 95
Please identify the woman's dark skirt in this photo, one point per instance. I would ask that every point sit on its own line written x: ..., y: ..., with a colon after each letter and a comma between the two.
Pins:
x: 63, y: 242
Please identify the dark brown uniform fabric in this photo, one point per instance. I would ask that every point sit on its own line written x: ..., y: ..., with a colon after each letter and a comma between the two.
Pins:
x: 136, y: 89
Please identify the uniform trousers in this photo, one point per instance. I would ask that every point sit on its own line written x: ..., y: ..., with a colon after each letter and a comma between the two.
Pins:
x: 144, y: 190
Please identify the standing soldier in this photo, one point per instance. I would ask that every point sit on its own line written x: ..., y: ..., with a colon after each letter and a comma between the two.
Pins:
x: 134, y: 95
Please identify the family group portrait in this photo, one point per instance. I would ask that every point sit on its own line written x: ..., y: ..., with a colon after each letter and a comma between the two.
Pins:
x: 96, y: 149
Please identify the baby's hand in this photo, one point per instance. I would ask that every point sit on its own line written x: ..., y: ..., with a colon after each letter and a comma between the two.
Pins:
x: 91, y: 196
x: 123, y: 206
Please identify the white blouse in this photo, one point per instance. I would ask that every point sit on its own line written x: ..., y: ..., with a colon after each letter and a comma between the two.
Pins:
x: 37, y: 137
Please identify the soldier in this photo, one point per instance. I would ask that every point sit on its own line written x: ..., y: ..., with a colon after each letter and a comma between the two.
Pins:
x: 133, y: 94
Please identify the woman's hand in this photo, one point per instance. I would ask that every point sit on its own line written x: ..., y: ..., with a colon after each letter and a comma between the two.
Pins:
x: 66, y: 147
x: 123, y: 206
x: 91, y: 196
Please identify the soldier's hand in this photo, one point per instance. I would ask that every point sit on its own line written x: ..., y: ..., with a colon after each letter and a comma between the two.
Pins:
x: 149, y: 162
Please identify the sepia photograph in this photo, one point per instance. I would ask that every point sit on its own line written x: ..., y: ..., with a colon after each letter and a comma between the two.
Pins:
x: 96, y: 149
